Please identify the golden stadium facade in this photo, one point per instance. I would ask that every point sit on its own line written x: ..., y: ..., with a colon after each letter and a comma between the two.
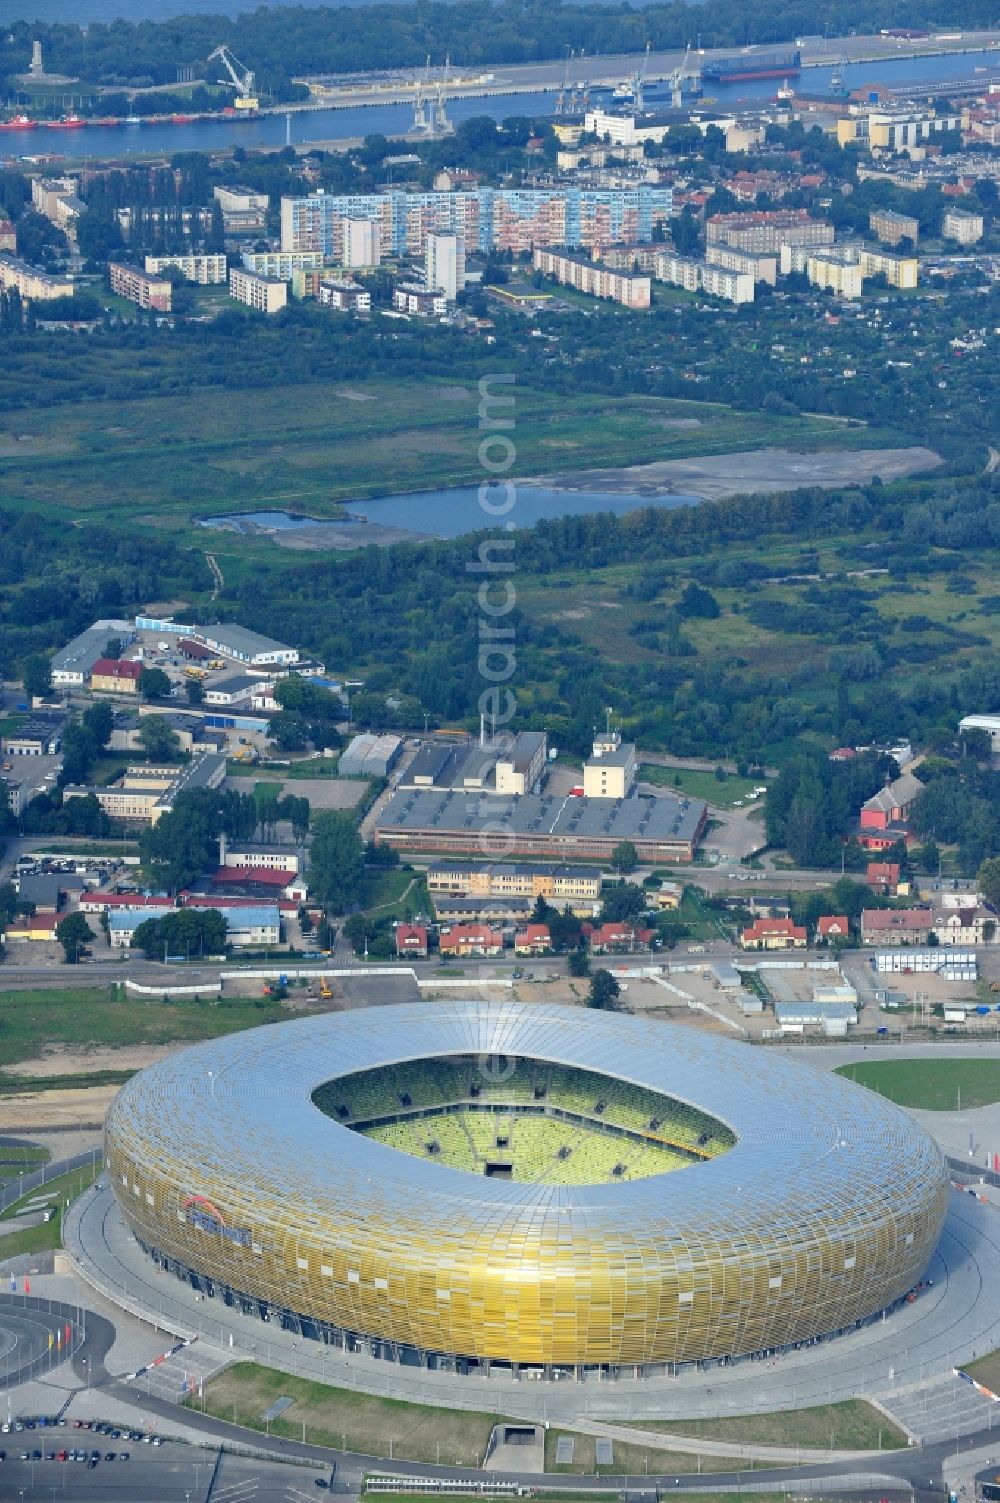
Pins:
x: 825, y: 1211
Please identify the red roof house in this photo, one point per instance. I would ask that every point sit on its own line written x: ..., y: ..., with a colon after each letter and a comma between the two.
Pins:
x: 470, y: 939
x: 882, y: 876
x: 832, y: 926
x: 411, y: 939
x: 773, y: 934
x: 533, y: 939
x: 908, y: 926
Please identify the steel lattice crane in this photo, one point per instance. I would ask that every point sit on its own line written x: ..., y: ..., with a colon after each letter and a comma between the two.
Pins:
x: 241, y: 78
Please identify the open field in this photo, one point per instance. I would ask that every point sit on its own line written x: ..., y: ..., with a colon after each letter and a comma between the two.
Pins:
x: 696, y: 784
x: 89, y: 1019
x: 341, y: 1418
x: 314, y: 445
x: 932, y: 1084
x: 850, y: 1426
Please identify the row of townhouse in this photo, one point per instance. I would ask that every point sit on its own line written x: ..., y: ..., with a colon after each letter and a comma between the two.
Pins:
x: 483, y: 942
x: 964, y: 921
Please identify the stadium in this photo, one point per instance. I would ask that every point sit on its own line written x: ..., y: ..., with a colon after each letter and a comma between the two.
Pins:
x: 478, y: 1185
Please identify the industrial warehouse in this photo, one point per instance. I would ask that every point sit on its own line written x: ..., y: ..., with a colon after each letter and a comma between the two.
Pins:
x: 677, y: 1198
x: 664, y: 828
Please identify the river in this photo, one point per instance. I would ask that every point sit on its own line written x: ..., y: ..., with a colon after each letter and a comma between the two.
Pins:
x: 303, y: 127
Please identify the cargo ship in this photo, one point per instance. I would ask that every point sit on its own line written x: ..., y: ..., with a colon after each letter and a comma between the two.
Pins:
x: 752, y: 65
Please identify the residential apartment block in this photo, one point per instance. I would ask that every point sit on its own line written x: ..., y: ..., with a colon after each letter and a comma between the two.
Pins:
x: 239, y: 200
x: 8, y: 236
x: 703, y: 276
x: 889, y: 227
x: 149, y: 292
x: 47, y: 191
x: 33, y: 285
x: 515, y: 219
x: 206, y: 270
x: 578, y: 886
x: 960, y: 225
x: 763, y: 232
x: 414, y: 297
x: 844, y: 269
x: 263, y: 294
x: 281, y: 264
x: 760, y: 268
x: 445, y: 264
x: 345, y: 296
x: 623, y: 287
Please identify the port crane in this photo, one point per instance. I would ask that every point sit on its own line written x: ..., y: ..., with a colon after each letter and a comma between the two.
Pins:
x: 637, y: 84
x: 430, y: 117
x: 242, y: 79
x: 675, y: 80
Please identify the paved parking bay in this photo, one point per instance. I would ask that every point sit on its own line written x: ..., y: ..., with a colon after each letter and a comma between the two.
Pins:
x: 175, y: 1475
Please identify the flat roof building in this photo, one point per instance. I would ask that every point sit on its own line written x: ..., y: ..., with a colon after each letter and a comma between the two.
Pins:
x: 370, y: 756
x: 140, y: 287
x: 262, y: 294
x: 72, y: 665
x: 664, y: 828
x: 519, y: 768
x: 33, y: 284
x: 245, y: 646
x: 206, y: 270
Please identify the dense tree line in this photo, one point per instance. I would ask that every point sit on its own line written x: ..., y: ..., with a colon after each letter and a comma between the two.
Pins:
x: 279, y: 43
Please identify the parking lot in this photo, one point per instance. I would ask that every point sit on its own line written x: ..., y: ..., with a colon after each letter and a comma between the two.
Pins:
x: 67, y: 1462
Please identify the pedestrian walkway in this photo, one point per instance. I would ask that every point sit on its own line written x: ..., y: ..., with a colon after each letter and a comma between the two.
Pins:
x: 942, y: 1409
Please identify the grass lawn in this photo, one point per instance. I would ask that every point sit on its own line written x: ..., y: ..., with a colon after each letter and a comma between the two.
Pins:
x: 338, y: 1417
x: 398, y: 894
x: 934, y: 1084
x: 48, y: 1235
x: 636, y: 1460
x: 986, y: 1370
x: 97, y: 1017
x: 694, y: 784
x: 850, y: 1426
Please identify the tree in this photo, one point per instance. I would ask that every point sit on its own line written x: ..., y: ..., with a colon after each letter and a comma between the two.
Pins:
x: 604, y: 989
x: 336, y: 860
x: 185, y: 931
x: 623, y: 902
x: 289, y: 731
x: 99, y: 720
x: 79, y: 752
x: 159, y: 739
x: 37, y: 677
x: 195, y: 691
x: 183, y: 843
x: 624, y: 857
x: 565, y: 929
x: 578, y: 963
x: 8, y: 902
x: 72, y: 933
x: 988, y: 881
x: 154, y: 684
